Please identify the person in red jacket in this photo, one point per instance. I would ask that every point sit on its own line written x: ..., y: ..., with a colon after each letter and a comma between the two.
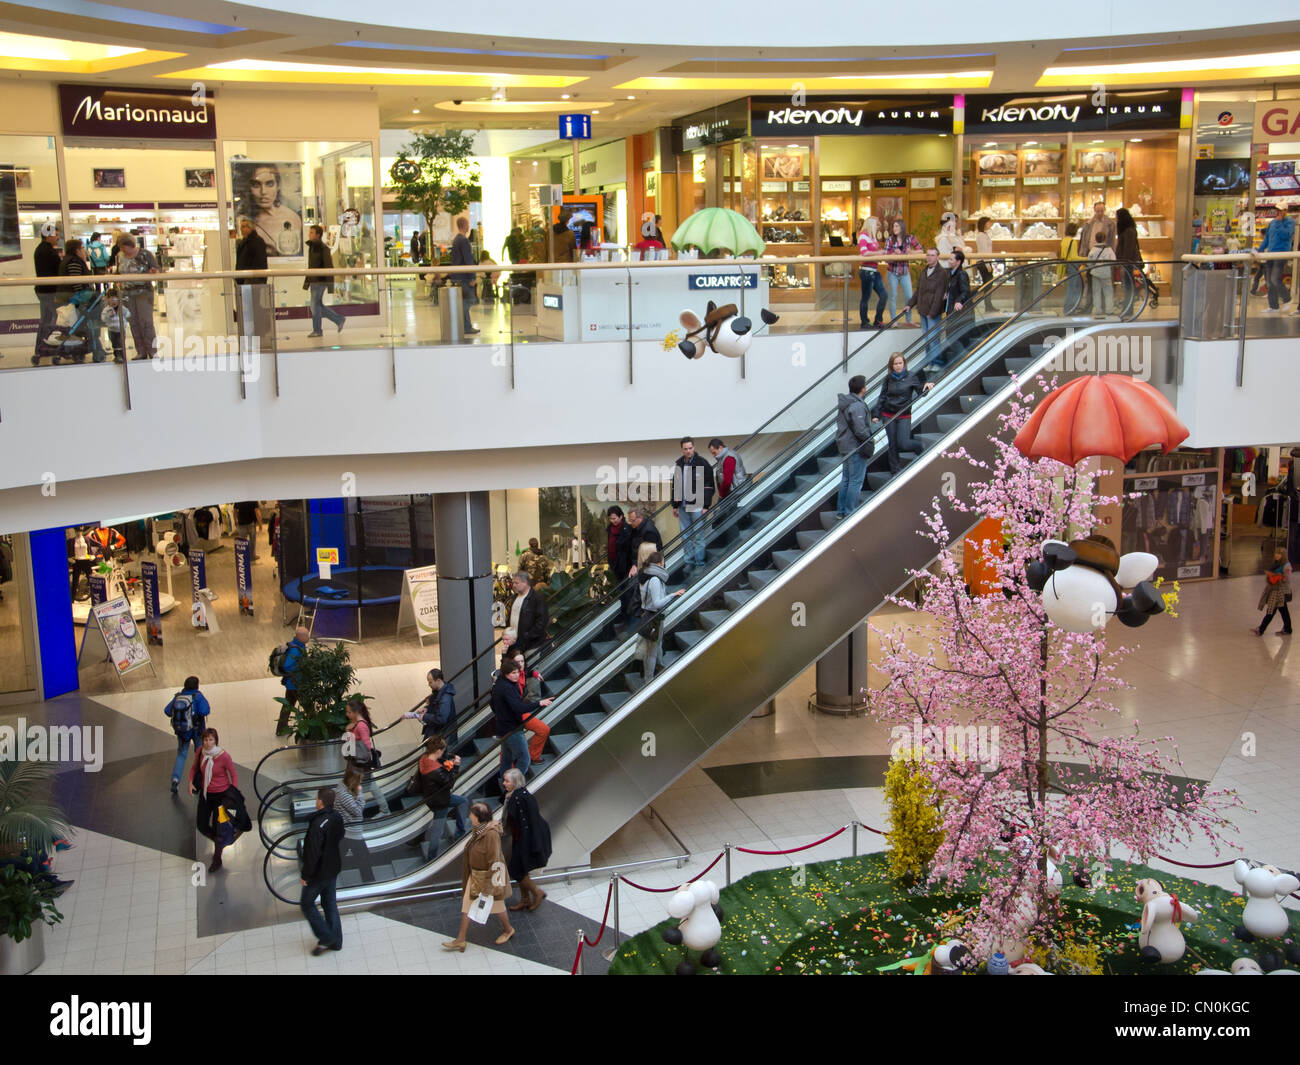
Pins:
x: 214, y: 776
x: 728, y: 471
x: 530, y: 687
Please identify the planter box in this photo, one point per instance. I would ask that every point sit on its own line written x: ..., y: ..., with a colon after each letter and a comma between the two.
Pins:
x: 18, y: 959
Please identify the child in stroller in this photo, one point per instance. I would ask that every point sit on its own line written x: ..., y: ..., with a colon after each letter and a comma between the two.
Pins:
x: 76, y: 333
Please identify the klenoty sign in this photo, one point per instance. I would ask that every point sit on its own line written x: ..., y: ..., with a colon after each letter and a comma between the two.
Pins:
x: 1152, y: 109
x: 772, y: 116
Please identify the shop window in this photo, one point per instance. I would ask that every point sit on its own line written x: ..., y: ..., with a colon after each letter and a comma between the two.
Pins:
x: 1171, y: 509
x: 29, y: 197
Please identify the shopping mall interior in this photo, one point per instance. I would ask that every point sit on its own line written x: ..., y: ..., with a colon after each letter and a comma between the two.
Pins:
x: 973, y: 664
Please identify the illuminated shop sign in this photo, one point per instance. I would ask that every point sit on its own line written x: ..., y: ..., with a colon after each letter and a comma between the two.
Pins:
x: 1086, y: 110
x: 168, y: 114
x: 849, y: 116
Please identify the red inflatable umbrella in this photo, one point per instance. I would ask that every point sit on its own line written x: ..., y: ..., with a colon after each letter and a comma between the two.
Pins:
x: 1100, y: 415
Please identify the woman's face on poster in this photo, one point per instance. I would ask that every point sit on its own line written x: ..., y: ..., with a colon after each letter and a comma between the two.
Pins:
x: 263, y: 188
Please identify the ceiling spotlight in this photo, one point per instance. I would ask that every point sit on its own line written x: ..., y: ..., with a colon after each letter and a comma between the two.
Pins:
x: 596, y: 112
x: 415, y: 110
x: 499, y: 93
x: 631, y: 97
x: 564, y: 96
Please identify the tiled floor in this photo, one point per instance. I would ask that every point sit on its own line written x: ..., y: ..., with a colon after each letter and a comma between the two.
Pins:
x: 1231, y: 699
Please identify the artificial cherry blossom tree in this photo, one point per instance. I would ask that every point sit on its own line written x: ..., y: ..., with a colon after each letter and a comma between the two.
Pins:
x: 1066, y: 777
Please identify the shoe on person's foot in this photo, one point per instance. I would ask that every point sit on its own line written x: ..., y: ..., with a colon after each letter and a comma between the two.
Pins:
x: 342, y: 323
x: 1271, y: 310
x: 336, y: 946
x: 470, y: 332
x: 454, y: 944
x: 1285, y: 632
x: 505, y: 937
x: 317, y: 334
x: 216, y: 864
x: 175, y: 786
x: 538, y: 898
x: 318, y: 950
x: 1256, y: 632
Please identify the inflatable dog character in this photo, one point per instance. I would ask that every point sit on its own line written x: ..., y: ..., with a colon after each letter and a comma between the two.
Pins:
x: 1245, y: 967
x: 1159, y: 939
x: 696, y: 906
x: 1082, y: 584
x: 1264, y: 917
x: 722, y: 330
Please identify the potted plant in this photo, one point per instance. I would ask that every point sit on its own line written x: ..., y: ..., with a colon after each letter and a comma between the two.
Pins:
x: 30, y: 826
x: 323, y: 679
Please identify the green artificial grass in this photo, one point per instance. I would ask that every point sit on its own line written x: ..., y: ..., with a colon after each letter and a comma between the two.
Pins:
x: 850, y: 917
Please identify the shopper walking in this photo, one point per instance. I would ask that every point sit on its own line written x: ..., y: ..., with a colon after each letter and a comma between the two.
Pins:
x: 508, y: 710
x: 82, y: 297
x: 483, y: 872
x: 566, y: 243
x: 653, y: 581
x: 1102, y: 274
x: 351, y: 805
x: 530, y: 839
x: 248, y: 522
x: 213, y: 777
x: 869, y: 275
x: 692, y: 496
x: 728, y: 471
x: 437, y: 714
x: 529, y: 617
x: 435, y: 776
x: 894, y: 406
x: 984, y: 249
x: 45, y: 263
x: 958, y: 297
x: 97, y: 254
x: 419, y: 248
x: 853, y: 440
x: 1073, y: 255
x: 322, y: 861
x: 1129, y: 255
x: 535, y: 563
x: 289, y: 666
x: 1277, y: 593
x: 1278, y: 237
x: 462, y: 254
x: 930, y: 299
x: 900, y: 242
x: 250, y: 253
x: 188, y: 710
x: 134, y: 262
x: 319, y: 258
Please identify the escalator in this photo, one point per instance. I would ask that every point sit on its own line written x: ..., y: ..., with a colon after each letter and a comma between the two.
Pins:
x: 784, y: 581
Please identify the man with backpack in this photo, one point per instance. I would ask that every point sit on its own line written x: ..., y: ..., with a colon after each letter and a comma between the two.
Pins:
x: 285, y: 664
x: 188, y: 710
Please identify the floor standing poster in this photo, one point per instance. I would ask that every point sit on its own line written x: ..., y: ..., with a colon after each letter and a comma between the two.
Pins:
x: 198, y: 584
x: 244, y: 574
x: 98, y: 588
x: 420, y: 602
x: 152, y: 614
x: 110, y: 630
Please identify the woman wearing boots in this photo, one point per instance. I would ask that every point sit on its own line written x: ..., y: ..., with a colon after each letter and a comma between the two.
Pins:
x: 1277, y: 593
x: 530, y: 840
x: 214, y: 775
x: 483, y: 872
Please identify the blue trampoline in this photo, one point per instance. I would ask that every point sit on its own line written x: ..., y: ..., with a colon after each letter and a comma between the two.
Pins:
x: 348, y: 586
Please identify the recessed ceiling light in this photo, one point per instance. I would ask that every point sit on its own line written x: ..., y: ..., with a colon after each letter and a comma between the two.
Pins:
x: 415, y: 110
x: 990, y: 144
x: 596, y: 112
x: 534, y: 162
x: 792, y: 146
x: 564, y: 96
x: 1030, y: 144
x: 1097, y: 141
x: 631, y: 97
x: 1135, y: 140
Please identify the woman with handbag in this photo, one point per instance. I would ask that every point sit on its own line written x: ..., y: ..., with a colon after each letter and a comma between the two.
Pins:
x: 653, y: 579
x: 483, y: 872
x: 530, y: 839
x: 1277, y: 593
x: 213, y: 778
x: 364, y: 758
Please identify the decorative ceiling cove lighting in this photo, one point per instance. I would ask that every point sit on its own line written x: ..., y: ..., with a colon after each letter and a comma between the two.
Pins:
x: 512, y: 107
x: 55, y: 50
x: 258, y: 69
x: 960, y: 79
x: 392, y: 47
x: 136, y: 17
x: 1259, y: 64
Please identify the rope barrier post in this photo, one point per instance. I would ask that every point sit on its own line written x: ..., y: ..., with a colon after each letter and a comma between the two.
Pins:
x: 613, y: 949
x: 727, y: 850
x: 855, y: 838
x: 578, y: 968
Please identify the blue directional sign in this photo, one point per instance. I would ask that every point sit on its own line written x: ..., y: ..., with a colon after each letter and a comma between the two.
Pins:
x: 575, y: 127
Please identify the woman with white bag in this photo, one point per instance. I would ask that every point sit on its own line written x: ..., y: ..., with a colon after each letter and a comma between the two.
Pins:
x: 484, y: 876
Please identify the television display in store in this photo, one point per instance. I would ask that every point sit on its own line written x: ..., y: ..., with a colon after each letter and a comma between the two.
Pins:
x: 1218, y: 177
x: 10, y: 244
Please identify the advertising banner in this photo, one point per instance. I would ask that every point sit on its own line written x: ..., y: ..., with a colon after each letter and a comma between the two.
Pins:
x: 244, y: 574
x: 198, y: 580
x: 98, y: 588
x: 152, y: 615
x: 420, y: 602
x: 126, y: 646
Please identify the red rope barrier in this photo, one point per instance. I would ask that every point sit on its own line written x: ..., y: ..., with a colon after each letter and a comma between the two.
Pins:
x: 577, y: 958
x: 796, y: 850
x: 721, y: 855
x: 676, y: 887
x: 609, y: 895
x: 877, y: 831
x: 1189, y: 865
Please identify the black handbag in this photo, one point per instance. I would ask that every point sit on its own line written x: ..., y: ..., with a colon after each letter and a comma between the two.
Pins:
x: 650, y: 626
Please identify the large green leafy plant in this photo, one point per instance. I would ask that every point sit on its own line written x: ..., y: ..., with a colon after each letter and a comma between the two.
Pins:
x: 25, y: 901
x: 324, y: 677
x: 433, y: 175
x: 29, y: 821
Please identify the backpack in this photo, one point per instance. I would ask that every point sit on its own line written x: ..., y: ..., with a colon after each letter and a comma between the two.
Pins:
x: 275, y: 661
x: 98, y: 256
x: 182, y: 707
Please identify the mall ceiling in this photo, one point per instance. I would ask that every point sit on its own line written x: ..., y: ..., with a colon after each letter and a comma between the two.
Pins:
x: 427, y: 78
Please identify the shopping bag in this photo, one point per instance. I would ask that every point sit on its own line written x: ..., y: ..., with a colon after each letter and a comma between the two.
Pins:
x: 480, y: 909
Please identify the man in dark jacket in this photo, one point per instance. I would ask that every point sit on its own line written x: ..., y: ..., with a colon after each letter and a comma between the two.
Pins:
x: 900, y: 389
x: 644, y: 532
x: 529, y: 617
x: 319, y: 258
x: 958, y: 297
x: 438, y: 714
x: 930, y: 298
x: 321, y: 862
x: 692, y: 497
x: 618, y: 549
x: 853, y: 442
x: 437, y: 775
x: 462, y: 254
x: 45, y: 261
x: 508, y: 710
x: 250, y: 253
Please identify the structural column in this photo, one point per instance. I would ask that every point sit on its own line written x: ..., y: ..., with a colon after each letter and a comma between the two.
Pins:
x: 842, y: 676
x: 463, y: 546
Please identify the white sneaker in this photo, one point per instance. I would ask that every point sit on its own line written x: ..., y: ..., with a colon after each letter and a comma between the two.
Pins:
x: 1271, y: 310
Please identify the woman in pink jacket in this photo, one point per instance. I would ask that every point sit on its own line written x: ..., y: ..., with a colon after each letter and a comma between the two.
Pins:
x: 214, y: 775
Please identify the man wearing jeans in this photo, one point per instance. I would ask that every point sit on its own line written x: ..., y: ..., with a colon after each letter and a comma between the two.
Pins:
x: 437, y: 774
x: 930, y: 298
x: 853, y: 442
x: 462, y: 254
x: 189, y: 711
x: 138, y: 295
x: 322, y: 860
x: 45, y: 260
x: 319, y: 258
x: 508, y: 710
x: 692, y: 497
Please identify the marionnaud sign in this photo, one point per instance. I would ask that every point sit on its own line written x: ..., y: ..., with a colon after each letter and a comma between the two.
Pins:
x: 716, y: 281
x: 103, y: 111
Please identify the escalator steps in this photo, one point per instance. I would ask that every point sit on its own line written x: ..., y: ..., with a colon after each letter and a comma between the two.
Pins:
x: 761, y: 578
x: 1018, y: 365
x: 969, y: 403
x: 807, y: 537
x: 587, y: 722
x: 993, y: 385
x: 711, y: 619
x: 736, y: 599
x: 949, y: 422
x: 688, y: 638
x: 563, y: 741
x: 782, y: 559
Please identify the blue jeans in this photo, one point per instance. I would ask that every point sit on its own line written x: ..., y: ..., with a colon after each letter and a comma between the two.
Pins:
x: 854, y: 470
x: 930, y: 330
x: 433, y: 837
x: 895, y: 281
x: 318, y: 308
x: 870, y: 281
x: 1277, y: 292
x: 693, y: 536
x: 514, y: 752
x: 328, y: 930
x: 183, y: 753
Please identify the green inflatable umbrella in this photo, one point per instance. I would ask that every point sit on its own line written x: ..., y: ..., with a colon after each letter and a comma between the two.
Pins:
x: 718, y: 229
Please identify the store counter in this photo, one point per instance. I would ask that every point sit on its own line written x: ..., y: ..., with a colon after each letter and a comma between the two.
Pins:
x: 575, y: 305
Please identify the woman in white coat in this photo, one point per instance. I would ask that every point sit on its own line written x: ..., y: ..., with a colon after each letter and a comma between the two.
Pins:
x: 654, y: 598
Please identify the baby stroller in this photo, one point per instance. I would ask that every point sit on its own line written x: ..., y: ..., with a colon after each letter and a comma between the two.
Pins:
x: 75, y: 334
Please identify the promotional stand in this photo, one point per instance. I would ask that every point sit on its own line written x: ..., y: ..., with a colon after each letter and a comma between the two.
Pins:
x: 419, y: 602
x: 112, y: 632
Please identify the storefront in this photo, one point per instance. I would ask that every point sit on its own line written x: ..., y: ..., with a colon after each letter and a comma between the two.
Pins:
x: 1034, y: 164
x: 603, y: 175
